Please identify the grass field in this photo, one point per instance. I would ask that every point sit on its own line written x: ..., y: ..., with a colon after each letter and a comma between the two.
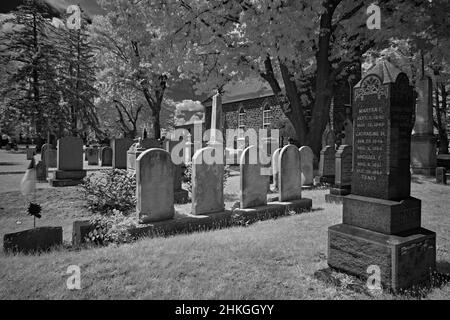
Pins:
x: 274, y: 259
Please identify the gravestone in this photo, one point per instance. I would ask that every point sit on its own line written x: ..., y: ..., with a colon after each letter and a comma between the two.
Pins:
x: 41, y: 171
x: 343, y: 179
x: 289, y: 179
x: 275, y: 166
x: 348, y: 133
x: 92, y: 156
x: 180, y: 195
x: 154, y: 186
x: 327, y: 164
x: 328, y: 137
x: 30, y: 153
x: 423, y: 141
x: 70, y: 163
x: 105, y: 156
x: 120, y: 148
x: 441, y: 175
x: 33, y: 240
x: 137, y: 148
x: 253, y: 184
x: 307, y: 170
x: 381, y: 221
x: 49, y: 155
x: 207, y: 183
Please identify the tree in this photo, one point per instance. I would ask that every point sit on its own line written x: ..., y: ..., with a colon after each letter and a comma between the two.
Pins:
x: 133, y: 54
x: 31, y: 94
x: 301, y: 48
x: 76, y: 75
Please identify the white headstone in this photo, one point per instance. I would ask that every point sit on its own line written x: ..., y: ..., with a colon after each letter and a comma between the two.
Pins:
x: 290, y: 184
x: 154, y: 186
x: 306, y: 162
x: 253, y: 191
x: 207, y: 183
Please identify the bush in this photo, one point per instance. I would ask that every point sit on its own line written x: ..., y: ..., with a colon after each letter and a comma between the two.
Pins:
x: 110, y: 189
x: 187, y: 175
x: 112, y: 228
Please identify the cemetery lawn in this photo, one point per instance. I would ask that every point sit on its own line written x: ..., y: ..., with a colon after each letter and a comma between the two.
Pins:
x: 274, y: 259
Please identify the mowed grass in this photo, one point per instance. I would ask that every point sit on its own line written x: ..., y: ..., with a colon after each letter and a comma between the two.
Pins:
x: 274, y: 259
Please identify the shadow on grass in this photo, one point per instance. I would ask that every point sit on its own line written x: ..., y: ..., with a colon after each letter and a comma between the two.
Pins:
x: 342, y: 280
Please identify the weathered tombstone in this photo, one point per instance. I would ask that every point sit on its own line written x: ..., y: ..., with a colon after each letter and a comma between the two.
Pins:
x: 154, y: 186
x: 92, y: 156
x: 343, y: 179
x: 105, y: 156
x: 307, y: 170
x: 328, y: 137
x: 253, y: 190
x: 381, y: 221
x: 441, y: 175
x: 327, y: 164
x: 70, y: 163
x: 207, y: 183
x: 423, y: 141
x: 30, y: 153
x: 289, y: 180
x: 119, y: 149
x: 275, y: 166
x: 41, y: 171
x: 33, y: 240
x: 49, y: 155
x: 180, y: 195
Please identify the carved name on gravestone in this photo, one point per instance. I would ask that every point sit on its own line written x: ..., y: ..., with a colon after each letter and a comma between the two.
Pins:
x: 383, y: 123
x: 253, y: 185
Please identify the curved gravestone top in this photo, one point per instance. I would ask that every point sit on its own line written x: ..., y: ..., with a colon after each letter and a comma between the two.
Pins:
x: 383, y: 113
x: 290, y: 183
x: 253, y: 184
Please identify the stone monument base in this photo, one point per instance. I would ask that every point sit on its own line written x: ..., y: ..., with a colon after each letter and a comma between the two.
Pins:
x: 404, y: 260
x: 337, y: 194
x: 379, y: 215
x: 67, y: 178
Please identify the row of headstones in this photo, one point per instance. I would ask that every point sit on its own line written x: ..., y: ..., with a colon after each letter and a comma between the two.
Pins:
x: 335, y: 166
x: 155, y: 175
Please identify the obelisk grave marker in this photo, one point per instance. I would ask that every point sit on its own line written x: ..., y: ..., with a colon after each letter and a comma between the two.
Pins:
x: 381, y: 221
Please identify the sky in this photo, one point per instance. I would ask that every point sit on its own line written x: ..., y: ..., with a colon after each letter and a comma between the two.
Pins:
x: 89, y: 6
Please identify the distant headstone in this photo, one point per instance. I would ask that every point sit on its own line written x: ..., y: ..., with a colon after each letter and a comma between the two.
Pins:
x: 441, y: 175
x: 423, y: 140
x: 307, y: 170
x: 289, y: 179
x: 253, y: 185
x: 120, y: 148
x: 328, y: 137
x: 207, y: 183
x: 327, y: 164
x: 105, y: 156
x: 92, y: 156
x: 30, y: 153
x: 348, y: 133
x: 154, y: 186
x: 49, y: 155
x: 70, y: 163
x: 381, y: 221
x: 343, y: 179
x: 41, y: 171
x: 275, y: 166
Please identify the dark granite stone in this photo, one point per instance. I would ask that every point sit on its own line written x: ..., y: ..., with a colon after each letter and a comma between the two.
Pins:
x: 383, y: 115
x: 404, y: 260
x: 120, y: 148
x: 327, y: 164
x: 92, y: 156
x: 343, y: 165
x: 385, y: 216
x: 33, y: 240
x: 441, y: 175
x: 106, y: 156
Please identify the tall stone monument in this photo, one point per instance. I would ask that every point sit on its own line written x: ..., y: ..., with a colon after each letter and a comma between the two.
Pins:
x: 423, y: 142
x: 69, y: 163
x: 381, y: 222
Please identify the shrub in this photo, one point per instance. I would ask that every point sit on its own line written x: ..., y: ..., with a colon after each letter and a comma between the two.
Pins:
x: 187, y: 175
x: 111, y: 228
x: 110, y: 189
